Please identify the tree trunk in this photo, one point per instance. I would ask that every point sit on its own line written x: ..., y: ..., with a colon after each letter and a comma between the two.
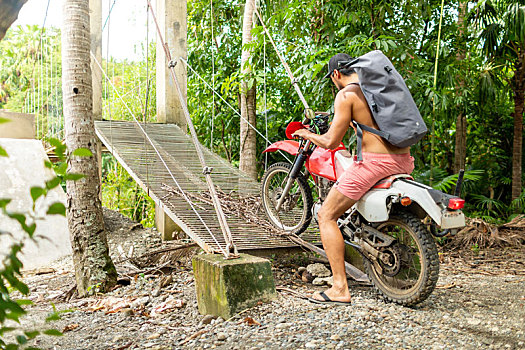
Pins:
x: 518, y: 82
x: 248, y: 150
x: 460, y: 150
x: 8, y: 13
x: 94, y: 270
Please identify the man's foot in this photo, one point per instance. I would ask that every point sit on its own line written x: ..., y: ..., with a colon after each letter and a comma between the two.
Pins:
x: 333, y: 295
x: 327, y: 300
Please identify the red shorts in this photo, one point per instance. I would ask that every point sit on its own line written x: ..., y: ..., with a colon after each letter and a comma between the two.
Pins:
x: 361, y: 176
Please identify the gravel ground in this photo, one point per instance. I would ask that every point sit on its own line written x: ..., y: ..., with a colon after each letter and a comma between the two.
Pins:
x: 478, y: 304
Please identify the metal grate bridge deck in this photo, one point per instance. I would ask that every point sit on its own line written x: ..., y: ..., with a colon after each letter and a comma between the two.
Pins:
x: 133, y: 151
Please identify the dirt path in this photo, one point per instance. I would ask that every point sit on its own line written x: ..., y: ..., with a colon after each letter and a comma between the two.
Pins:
x: 479, y: 303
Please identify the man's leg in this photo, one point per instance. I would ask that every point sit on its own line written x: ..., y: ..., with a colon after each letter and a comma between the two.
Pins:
x: 333, y: 207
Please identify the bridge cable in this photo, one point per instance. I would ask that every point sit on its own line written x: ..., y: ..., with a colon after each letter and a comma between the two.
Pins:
x: 198, y: 147
x: 294, y: 81
x: 158, y: 154
x: 228, y: 104
x: 212, y: 75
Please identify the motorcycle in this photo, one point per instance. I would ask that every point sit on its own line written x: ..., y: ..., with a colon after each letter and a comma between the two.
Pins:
x: 391, y: 226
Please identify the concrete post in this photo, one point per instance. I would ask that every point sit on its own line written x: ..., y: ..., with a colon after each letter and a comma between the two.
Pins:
x: 95, y: 17
x: 95, y: 26
x: 171, y: 16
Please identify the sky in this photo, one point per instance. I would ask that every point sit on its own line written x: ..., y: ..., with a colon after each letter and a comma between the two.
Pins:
x: 127, y: 24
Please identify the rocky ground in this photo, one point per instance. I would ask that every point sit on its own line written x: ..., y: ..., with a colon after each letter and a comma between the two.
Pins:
x: 479, y: 303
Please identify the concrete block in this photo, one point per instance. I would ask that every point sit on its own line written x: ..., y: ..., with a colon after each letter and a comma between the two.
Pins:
x: 20, y: 171
x: 226, y: 287
x: 19, y: 126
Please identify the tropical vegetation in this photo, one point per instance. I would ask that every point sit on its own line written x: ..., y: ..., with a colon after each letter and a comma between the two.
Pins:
x: 475, y: 109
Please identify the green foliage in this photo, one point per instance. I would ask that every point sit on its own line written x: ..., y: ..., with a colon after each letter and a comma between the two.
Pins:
x: 11, y: 309
x: 308, y: 33
x: 120, y: 192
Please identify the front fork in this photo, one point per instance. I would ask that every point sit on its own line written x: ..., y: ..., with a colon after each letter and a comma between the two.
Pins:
x: 294, y: 174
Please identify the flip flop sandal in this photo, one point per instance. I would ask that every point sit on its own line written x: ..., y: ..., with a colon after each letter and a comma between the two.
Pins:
x: 327, y: 300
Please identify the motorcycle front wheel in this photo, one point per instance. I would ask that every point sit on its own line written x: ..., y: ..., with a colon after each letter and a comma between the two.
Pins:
x: 295, y: 213
x: 409, y: 268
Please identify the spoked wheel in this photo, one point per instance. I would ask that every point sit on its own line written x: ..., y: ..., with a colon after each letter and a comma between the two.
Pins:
x: 407, y: 271
x: 295, y: 213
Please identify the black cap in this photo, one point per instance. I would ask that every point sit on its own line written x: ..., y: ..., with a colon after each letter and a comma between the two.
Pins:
x: 336, y: 61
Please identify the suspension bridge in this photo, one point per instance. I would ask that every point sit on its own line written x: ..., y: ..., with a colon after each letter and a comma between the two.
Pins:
x: 183, y: 177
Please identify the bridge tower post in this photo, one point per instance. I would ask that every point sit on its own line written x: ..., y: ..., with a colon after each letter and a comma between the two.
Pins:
x: 172, y: 20
x: 95, y: 26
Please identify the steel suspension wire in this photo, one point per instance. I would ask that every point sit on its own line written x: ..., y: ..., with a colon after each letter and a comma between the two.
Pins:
x: 158, y: 153
x: 206, y: 170
x: 212, y: 74
x: 228, y: 104
x: 283, y: 61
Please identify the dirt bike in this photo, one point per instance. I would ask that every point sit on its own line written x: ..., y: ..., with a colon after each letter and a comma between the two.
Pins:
x: 391, y: 226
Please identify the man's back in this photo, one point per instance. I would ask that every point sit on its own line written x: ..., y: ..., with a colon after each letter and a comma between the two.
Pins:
x: 361, y: 114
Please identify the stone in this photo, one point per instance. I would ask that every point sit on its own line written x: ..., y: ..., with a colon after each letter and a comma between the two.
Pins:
x: 321, y: 281
x: 207, y: 319
x: 301, y: 269
x: 307, y: 277
x: 221, y: 336
x: 318, y: 270
x: 225, y: 287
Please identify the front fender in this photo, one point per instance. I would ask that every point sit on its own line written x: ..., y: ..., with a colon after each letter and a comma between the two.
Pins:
x: 288, y: 146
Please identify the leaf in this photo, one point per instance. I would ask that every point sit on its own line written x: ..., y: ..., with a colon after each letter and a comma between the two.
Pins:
x: 82, y: 152
x: 3, y: 153
x: 73, y: 176
x: 251, y: 322
x: 4, y: 120
x: 70, y: 327
x: 37, y: 192
x: 24, y: 302
x: 48, y: 164
x: 57, y: 208
x: 21, y: 339
x: 31, y: 334
x: 54, y: 332
x: 54, y: 182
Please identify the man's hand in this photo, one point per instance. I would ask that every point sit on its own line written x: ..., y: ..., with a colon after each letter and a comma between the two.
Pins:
x: 301, y: 133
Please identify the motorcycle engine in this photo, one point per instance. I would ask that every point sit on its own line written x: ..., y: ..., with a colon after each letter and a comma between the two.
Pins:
x: 324, y: 186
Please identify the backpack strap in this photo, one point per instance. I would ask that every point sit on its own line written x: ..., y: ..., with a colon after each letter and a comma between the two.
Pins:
x: 359, y: 132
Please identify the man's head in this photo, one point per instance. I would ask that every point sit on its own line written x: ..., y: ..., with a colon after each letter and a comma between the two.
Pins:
x: 336, y: 70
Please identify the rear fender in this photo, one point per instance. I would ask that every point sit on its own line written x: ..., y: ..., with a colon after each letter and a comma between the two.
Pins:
x: 372, y: 206
x: 288, y: 146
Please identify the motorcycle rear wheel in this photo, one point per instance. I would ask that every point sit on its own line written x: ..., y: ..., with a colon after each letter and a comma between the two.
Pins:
x: 295, y: 214
x: 415, y: 276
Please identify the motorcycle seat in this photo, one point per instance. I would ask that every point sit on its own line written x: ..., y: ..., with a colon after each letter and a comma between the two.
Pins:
x: 387, y: 182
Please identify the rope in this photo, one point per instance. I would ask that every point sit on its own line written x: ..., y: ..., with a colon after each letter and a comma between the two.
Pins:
x: 157, y: 152
x: 433, y: 129
x: 206, y: 170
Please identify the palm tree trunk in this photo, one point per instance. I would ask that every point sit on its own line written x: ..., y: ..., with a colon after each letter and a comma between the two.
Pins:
x: 248, y: 150
x: 94, y: 270
x: 518, y: 82
x: 460, y: 150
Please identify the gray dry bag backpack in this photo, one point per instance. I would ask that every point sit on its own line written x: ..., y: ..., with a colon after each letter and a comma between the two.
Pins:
x: 390, y: 102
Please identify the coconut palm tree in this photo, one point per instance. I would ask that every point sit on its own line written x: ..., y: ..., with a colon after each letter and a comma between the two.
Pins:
x: 94, y: 270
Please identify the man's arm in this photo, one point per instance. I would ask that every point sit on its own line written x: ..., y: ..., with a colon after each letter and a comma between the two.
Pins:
x: 340, y: 124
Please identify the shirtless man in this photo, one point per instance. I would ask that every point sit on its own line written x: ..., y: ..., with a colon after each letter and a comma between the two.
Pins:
x: 380, y: 159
